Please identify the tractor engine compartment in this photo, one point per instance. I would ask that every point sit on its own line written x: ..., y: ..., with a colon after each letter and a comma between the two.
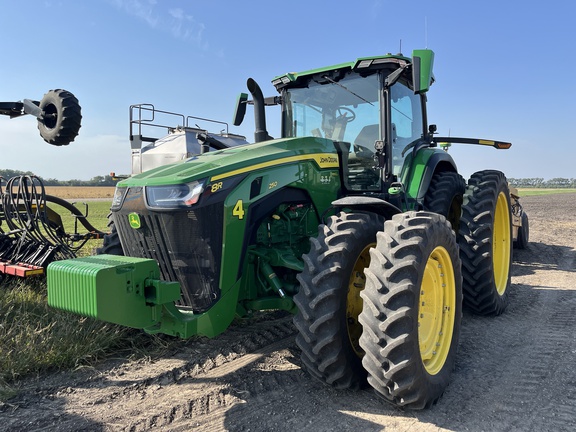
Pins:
x: 281, y: 240
x: 288, y: 225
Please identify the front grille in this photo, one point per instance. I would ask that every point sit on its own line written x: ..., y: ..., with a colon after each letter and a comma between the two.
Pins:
x: 186, y: 244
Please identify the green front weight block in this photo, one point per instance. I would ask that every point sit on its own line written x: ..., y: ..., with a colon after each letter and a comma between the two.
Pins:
x: 121, y: 290
x: 128, y: 291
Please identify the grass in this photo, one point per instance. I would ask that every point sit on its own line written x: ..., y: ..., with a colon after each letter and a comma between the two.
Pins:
x: 97, y: 215
x: 544, y: 191
x: 35, y: 338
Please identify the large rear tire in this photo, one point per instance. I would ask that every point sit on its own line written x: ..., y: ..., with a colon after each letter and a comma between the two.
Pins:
x: 445, y: 196
x: 412, y: 309
x: 486, y: 243
x: 61, y: 117
x: 329, y: 299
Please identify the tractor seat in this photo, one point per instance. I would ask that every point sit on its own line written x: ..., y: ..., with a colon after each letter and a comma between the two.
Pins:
x: 367, y: 136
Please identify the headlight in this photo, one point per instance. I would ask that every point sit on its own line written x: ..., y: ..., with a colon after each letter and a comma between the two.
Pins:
x: 118, y: 198
x: 174, y: 196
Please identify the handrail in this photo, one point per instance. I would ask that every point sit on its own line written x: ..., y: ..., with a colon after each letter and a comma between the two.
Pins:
x: 139, y: 118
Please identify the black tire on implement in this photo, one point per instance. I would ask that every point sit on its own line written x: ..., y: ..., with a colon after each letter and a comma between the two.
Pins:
x: 486, y: 243
x: 523, y: 233
x: 412, y: 309
x: 445, y: 196
x: 62, y: 116
x: 111, y: 244
x: 329, y: 302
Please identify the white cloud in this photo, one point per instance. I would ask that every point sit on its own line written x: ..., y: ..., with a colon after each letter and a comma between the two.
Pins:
x: 143, y: 10
x: 186, y: 28
x: 175, y: 21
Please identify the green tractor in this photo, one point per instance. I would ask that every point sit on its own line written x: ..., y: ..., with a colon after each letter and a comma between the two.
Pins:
x: 355, y: 220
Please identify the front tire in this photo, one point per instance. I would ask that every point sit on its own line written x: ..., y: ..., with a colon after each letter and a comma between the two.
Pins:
x: 486, y: 243
x: 412, y: 309
x: 445, y: 196
x: 329, y: 299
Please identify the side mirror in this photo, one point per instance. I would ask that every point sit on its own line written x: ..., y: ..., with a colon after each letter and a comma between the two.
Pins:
x: 240, y: 110
x: 422, y: 62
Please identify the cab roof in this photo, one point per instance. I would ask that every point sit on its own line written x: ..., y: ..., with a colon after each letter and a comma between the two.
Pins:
x: 362, y: 64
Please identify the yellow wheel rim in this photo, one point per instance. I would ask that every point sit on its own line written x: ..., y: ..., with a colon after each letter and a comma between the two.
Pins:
x: 436, y: 310
x: 354, y: 301
x: 501, y: 244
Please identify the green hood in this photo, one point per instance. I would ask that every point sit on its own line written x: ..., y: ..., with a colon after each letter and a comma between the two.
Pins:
x: 237, y: 160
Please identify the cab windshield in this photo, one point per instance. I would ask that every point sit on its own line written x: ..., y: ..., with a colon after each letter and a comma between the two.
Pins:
x: 344, y: 110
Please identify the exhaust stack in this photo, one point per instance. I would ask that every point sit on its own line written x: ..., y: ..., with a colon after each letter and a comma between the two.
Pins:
x: 260, y: 134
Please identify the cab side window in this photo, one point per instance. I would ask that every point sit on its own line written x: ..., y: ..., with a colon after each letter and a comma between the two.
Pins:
x: 407, y: 124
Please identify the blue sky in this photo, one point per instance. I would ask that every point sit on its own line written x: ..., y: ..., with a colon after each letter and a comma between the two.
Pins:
x: 504, y: 70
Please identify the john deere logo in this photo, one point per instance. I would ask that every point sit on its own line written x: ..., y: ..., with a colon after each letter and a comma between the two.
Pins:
x: 134, y: 220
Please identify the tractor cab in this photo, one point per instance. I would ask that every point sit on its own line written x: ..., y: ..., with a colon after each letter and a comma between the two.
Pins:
x: 369, y: 108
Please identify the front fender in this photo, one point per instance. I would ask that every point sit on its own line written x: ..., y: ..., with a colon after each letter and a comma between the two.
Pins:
x: 423, y: 165
x: 368, y: 204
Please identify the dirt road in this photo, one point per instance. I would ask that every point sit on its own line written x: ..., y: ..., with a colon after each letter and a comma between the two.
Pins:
x: 515, y: 372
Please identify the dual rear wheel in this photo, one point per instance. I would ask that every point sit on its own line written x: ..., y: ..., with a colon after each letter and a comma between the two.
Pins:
x: 486, y: 243
x: 382, y: 301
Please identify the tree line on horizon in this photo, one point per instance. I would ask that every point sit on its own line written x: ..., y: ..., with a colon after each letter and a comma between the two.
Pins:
x: 539, y: 182
x: 94, y: 181
x: 531, y: 182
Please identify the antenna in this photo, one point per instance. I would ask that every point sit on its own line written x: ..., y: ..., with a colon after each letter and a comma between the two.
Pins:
x: 426, y: 32
x: 400, y: 52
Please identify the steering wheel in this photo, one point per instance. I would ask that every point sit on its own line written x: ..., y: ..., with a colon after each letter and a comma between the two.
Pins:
x: 341, y: 111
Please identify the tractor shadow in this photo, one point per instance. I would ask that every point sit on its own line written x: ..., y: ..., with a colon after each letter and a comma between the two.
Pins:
x: 543, y: 257
x: 290, y: 399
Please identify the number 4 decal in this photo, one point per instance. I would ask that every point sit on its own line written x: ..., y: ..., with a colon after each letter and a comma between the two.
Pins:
x: 238, y: 210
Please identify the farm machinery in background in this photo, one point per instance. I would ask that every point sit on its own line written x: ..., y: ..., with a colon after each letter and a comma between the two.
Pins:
x: 32, y: 233
x: 182, y: 141
x: 354, y: 220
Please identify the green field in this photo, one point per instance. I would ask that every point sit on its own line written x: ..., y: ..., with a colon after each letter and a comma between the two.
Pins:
x: 97, y: 216
x: 543, y: 191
